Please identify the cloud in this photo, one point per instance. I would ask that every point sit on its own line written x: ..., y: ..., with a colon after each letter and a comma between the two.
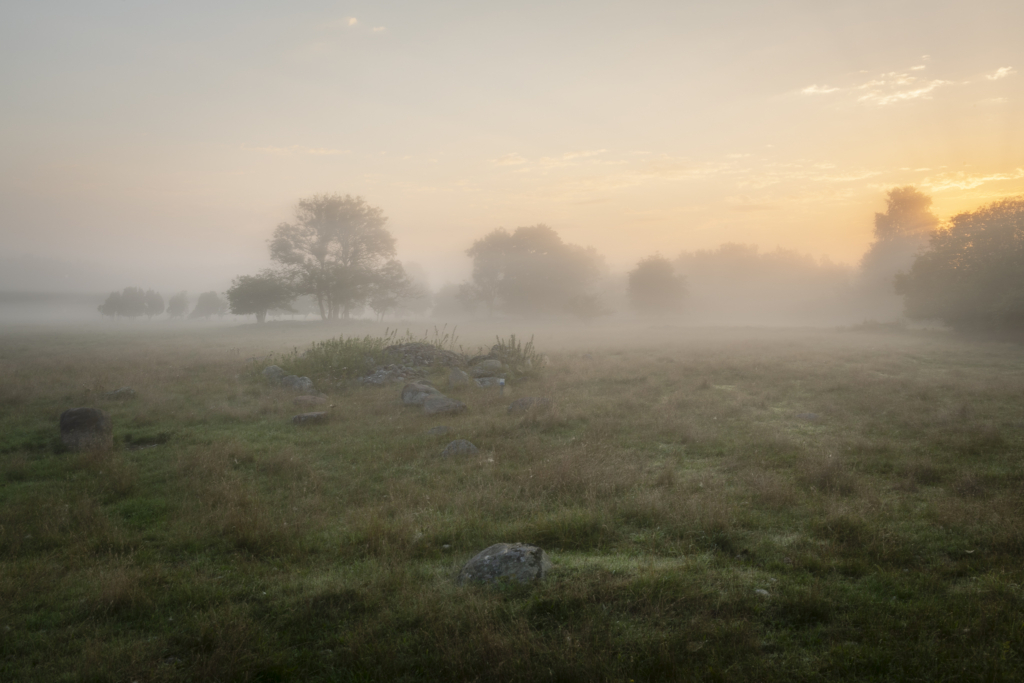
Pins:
x: 818, y: 90
x: 886, y: 88
x: 352, y: 21
x: 510, y: 159
x: 378, y: 29
x: 962, y: 180
x: 1001, y: 72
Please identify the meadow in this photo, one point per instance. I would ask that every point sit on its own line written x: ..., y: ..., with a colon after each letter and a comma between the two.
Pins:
x: 720, y: 505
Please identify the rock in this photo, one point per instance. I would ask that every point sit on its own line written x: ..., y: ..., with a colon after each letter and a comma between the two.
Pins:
x: 487, y: 368
x: 488, y: 382
x: 309, y: 418
x: 457, y: 378
x: 440, y: 430
x: 527, y: 403
x: 122, y: 394
x: 310, y: 401
x: 415, y: 393
x: 506, y: 561
x: 389, y: 374
x: 86, y: 428
x: 762, y: 592
x: 442, y: 405
x: 298, y: 384
x: 274, y: 373
x: 459, y: 447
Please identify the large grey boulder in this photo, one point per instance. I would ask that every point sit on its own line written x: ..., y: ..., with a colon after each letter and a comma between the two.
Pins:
x: 527, y: 403
x: 442, y: 405
x: 86, y: 429
x: 459, y: 447
x: 415, y: 393
x: 457, y: 378
x: 506, y: 561
x: 274, y: 373
x: 486, y: 368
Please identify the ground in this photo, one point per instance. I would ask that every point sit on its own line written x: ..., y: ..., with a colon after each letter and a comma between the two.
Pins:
x: 718, y: 504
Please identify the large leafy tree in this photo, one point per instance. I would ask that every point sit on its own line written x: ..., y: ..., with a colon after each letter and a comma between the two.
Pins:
x: 900, y: 234
x: 530, y: 270
x: 257, y: 294
x: 388, y: 287
x: 177, y: 305
x: 154, y: 303
x: 333, y: 251
x: 654, y: 286
x: 972, y: 275
x: 208, y: 303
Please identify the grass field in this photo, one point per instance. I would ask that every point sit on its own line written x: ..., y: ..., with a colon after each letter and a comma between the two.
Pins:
x: 762, y: 505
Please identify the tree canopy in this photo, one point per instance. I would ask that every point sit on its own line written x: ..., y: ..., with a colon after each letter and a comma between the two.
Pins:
x: 130, y: 303
x: 530, y: 270
x: 654, y: 286
x: 177, y: 305
x: 209, y: 303
x: 333, y: 250
x: 972, y: 275
x: 257, y: 294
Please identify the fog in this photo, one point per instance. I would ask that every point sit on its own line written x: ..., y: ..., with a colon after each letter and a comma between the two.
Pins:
x: 746, y: 149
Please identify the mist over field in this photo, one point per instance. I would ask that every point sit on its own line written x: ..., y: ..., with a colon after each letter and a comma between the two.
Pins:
x: 459, y: 341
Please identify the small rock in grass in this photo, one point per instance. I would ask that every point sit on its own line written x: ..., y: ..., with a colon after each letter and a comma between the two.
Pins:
x: 442, y: 405
x: 488, y: 382
x: 309, y: 419
x: 459, y: 447
x: 522, y: 405
x: 86, y: 428
x: 506, y: 561
x: 122, y: 394
x: 415, y: 393
x: 762, y: 592
x: 298, y: 384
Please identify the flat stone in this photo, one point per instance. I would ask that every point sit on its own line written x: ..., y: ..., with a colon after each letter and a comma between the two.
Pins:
x: 517, y: 562
x: 459, y: 447
x: 86, y: 429
x: 488, y: 382
x: 442, y: 405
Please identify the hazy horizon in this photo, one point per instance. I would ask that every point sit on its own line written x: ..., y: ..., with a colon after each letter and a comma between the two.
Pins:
x: 148, y: 142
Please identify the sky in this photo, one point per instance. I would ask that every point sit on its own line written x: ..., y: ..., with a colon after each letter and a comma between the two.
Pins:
x: 164, y: 141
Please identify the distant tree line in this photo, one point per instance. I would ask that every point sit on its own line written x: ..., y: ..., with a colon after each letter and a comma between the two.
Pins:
x: 133, y: 302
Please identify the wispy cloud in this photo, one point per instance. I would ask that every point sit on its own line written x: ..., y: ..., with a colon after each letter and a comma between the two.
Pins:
x: 818, y: 90
x: 886, y: 88
x: 1001, y: 72
x: 510, y: 159
x: 962, y: 180
x: 352, y: 21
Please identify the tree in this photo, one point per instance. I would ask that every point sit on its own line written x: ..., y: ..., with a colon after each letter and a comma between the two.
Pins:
x: 528, y: 271
x: 154, y: 304
x: 333, y: 250
x: 586, y: 307
x: 972, y: 275
x: 900, y: 234
x: 654, y: 287
x: 257, y: 294
x: 387, y: 288
x: 112, y: 306
x: 208, y: 304
x: 177, y: 305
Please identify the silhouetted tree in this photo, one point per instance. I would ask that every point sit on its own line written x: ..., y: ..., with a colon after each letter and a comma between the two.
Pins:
x: 901, y: 233
x: 333, y: 250
x: 387, y: 288
x: 112, y: 306
x: 208, y: 304
x: 154, y: 304
x: 132, y: 303
x: 528, y: 271
x: 654, y: 286
x: 972, y: 275
x: 177, y: 305
x: 257, y: 294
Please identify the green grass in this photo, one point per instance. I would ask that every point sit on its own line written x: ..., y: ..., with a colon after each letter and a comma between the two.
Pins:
x: 870, y: 482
